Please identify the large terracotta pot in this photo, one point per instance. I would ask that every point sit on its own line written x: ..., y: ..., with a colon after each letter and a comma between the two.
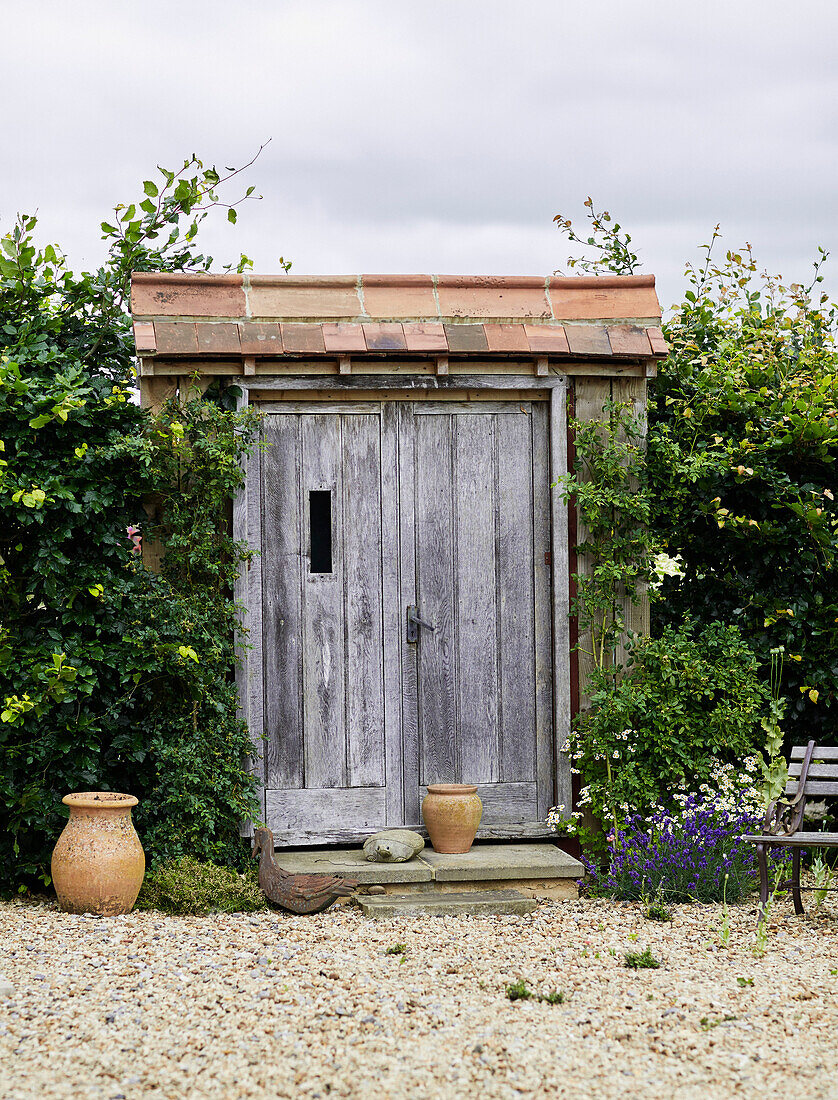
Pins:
x: 452, y: 812
x: 98, y: 863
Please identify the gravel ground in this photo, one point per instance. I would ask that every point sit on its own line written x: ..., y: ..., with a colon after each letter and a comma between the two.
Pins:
x: 270, y: 1005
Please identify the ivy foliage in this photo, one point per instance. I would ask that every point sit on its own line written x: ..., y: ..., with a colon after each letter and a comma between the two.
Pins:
x: 112, y: 677
x: 609, y: 488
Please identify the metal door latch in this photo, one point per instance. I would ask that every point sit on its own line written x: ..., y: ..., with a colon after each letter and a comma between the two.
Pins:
x: 414, y: 622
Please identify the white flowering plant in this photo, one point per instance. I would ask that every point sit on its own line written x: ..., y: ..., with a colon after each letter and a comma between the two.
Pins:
x: 684, y: 720
x: 665, y: 566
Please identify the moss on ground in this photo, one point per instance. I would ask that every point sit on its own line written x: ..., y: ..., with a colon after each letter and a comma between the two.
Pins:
x: 188, y: 887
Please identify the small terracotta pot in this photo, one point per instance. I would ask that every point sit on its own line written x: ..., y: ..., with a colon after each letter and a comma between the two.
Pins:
x: 98, y: 863
x: 452, y: 813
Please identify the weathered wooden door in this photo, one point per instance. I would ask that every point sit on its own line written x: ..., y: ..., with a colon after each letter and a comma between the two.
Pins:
x: 475, y: 495
x: 370, y: 513
x: 322, y: 619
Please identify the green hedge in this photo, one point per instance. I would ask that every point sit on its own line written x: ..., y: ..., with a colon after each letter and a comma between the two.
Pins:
x: 743, y: 443
x: 112, y: 677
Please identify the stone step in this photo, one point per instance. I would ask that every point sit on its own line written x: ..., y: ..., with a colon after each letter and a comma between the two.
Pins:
x: 537, y: 870
x: 473, y: 903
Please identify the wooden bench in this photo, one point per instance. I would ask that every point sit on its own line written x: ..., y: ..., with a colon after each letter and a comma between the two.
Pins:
x: 813, y: 773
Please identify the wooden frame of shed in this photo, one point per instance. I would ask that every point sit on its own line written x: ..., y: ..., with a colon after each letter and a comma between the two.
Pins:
x: 389, y: 403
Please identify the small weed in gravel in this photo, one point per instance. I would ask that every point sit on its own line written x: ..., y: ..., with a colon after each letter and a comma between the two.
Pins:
x: 656, y: 910
x: 707, y: 1024
x: 519, y: 991
x: 744, y: 982
x: 188, y: 887
x: 641, y: 960
x: 396, y: 949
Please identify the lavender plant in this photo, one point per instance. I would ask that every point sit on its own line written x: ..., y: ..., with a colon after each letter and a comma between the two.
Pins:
x: 694, y: 853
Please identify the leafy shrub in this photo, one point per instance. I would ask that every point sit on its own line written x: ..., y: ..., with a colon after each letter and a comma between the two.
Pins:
x: 188, y: 887
x: 742, y: 449
x: 690, y: 702
x: 111, y: 677
x: 695, y: 853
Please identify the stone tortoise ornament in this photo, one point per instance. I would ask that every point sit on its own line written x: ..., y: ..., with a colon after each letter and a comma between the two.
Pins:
x: 393, y: 846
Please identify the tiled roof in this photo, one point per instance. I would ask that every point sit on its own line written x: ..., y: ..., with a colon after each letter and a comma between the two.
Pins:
x: 252, y: 315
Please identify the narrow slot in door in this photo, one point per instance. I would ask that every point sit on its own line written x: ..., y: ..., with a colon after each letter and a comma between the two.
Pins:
x: 320, y: 528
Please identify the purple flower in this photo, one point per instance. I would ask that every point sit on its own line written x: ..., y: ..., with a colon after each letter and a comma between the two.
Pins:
x: 696, y: 854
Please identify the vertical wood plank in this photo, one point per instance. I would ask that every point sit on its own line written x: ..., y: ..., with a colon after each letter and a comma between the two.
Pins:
x: 561, y: 600
x: 361, y: 554
x: 156, y: 390
x: 402, y: 414
x: 517, y: 550
x: 542, y: 512
x: 392, y: 616
x: 248, y: 594
x: 439, y: 758
x: 475, y: 519
x: 324, y: 700
x: 282, y: 564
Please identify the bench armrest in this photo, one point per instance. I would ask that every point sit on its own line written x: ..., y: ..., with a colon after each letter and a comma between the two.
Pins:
x: 785, y: 818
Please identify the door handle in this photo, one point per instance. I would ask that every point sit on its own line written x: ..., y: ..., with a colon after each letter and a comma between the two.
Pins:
x: 414, y: 622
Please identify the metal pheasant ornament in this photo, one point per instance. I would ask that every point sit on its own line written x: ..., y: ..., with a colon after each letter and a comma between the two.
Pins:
x: 297, y: 893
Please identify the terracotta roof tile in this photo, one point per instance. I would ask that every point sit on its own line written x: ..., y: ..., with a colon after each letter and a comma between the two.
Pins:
x: 384, y: 337
x: 394, y: 296
x: 260, y: 338
x: 657, y: 342
x: 215, y: 337
x: 509, y: 338
x: 587, y: 340
x: 144, y: 336
x: 425, y: 336
x: 343, y: 337
x: 546, y: 339
x: 176, y: 337
x: 160, y: 294
x: 628, y: 340
x: 466, y: 338
x: 491, y: 296
x: 309, y: 298
x: 593, y: 298
x: 303, y: 338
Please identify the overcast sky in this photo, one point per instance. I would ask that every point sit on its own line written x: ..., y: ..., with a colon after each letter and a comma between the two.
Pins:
x: 434, y: 135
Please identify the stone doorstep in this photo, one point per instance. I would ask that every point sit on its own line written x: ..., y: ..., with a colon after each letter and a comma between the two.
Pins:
x: 537, y: 870
x: 556, y: 889
x: 476, y: 903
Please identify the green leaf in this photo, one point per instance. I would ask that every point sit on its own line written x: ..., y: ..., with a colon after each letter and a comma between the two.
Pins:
x: 151, y: 189
x: 231, y: 215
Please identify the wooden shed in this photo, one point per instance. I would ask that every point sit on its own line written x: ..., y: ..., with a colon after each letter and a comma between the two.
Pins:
x: 408, y: 608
